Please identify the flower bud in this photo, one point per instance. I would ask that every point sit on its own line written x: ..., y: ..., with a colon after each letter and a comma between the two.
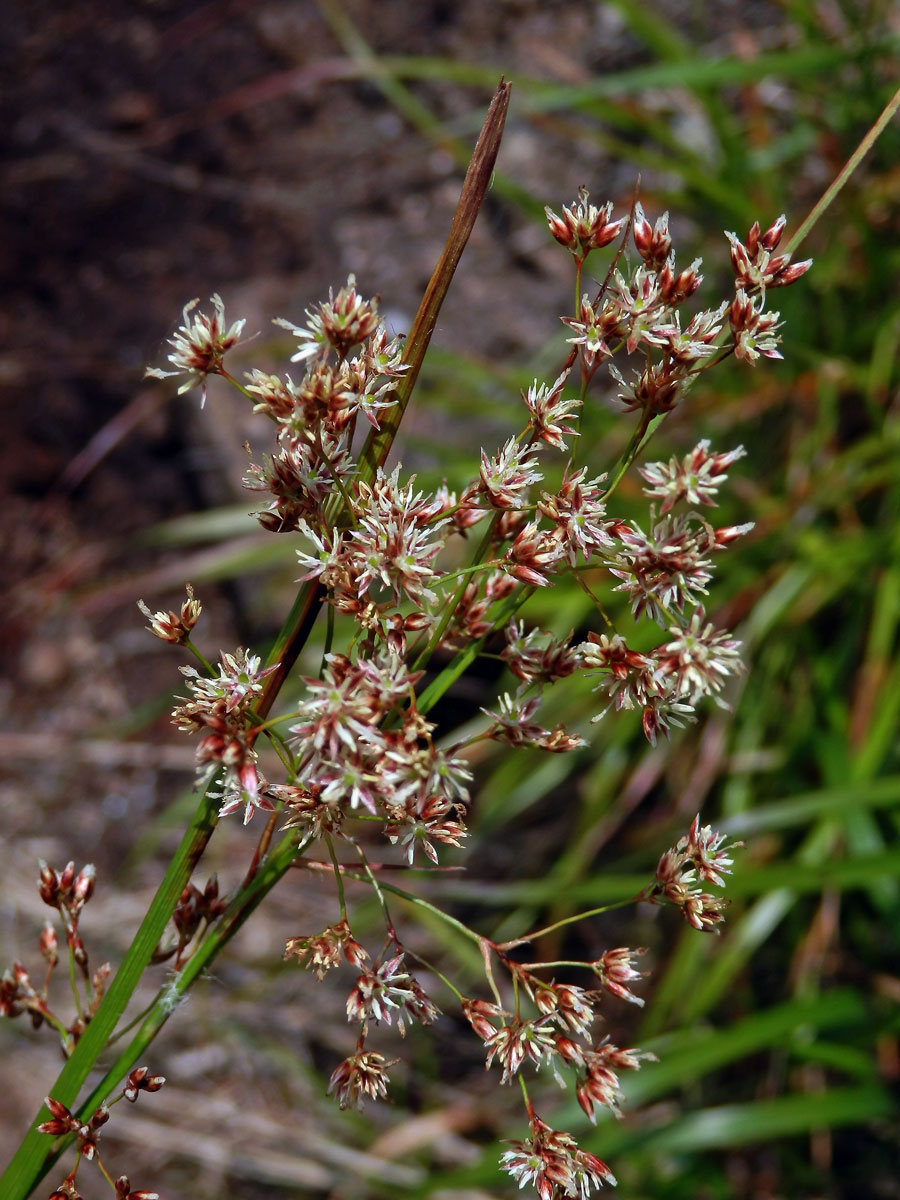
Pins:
x: 84, y: 885
x: 49, y: 944
x: 48, y: 884
x: 772, y: 236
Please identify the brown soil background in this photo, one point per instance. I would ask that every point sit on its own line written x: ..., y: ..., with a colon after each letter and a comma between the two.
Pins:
x: 154, y: 152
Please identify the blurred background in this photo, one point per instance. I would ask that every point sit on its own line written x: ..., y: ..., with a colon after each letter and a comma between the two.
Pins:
x: 159, y: 151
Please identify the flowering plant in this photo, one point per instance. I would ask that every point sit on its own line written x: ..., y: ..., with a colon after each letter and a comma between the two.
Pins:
x: 421, y: 582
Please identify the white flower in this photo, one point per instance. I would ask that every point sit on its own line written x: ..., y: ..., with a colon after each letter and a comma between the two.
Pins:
x: 200, y: 346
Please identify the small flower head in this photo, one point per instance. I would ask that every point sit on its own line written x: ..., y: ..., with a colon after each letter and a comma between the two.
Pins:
x: 200, y: 346
x: 484, y: 1017
x: 699, y: 658
x: 196, y: 908
x: 642, y: 309
x: 17, y: 993
x: 579, y: 513
x: 218, y: 707
x: 594, y: 328
x: 308, y: 809
x: 631, y: 680
x: 521, y: 1041
x: 338, y: 324
x: 600, y: 1080
x: 140, y: 1080
x: 396, y: 540
x: 87, y: 1133
x: 216, y: 700
x: 753, y: 329
x: 386, y: 988
x: 378, y: 991
x: 702, y: 854
x: 325, y: 950
x: 362, y: 1075
x: 664, y: 569
x: 754, y: 263
x: 422, y: 822
x: 695, y: 479
x: 615, y: 971
x: 583, y: 226
x: 537, y: 656
x: 277, y: 397
x: 61, y: 1119
x: 49, y: 945
x: 507, y: 477
x: 674, y: 288
x: 124, y: 1192
x: 66, y: 1190
x: 240, y: 678
x: 652, y: 241
x: 171, y: 627
x: 709, y: 852
x: 550, y: 412
x: 552, y: 1162
x: 67, y: 890
x: 513, y: 724
x: 534, y: 555
x: 241, y: 783
x: 655, y: 390
x: 698, y: 338
x: 573, y: 1005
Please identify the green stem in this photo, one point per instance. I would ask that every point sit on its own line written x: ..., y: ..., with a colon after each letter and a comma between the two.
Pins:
x: 852, y: 163
x: 207, y: 666
x: 239, y: 909
x: 582, y: 916
x: 329, y: 639
x: 559, y: 962
x: 32, y: 1157
x: 236, y: 383
x: 642, y: 434
x: 338, y: 877
x: 103, y: 1171
x: 466, y: 657
x: 134, y: 1022
x: 419, y: 903
x: 430, y: 967
x: 290, y: 642
x: 64, y: 1036
x: 450, y: 608
x: 73, y: 983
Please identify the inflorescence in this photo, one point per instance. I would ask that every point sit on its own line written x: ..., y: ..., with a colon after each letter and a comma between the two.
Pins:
x: 379, y: 550
x: 386, y: 553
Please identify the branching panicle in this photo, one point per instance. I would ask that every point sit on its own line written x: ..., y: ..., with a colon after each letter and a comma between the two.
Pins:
x: 417, y: 572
